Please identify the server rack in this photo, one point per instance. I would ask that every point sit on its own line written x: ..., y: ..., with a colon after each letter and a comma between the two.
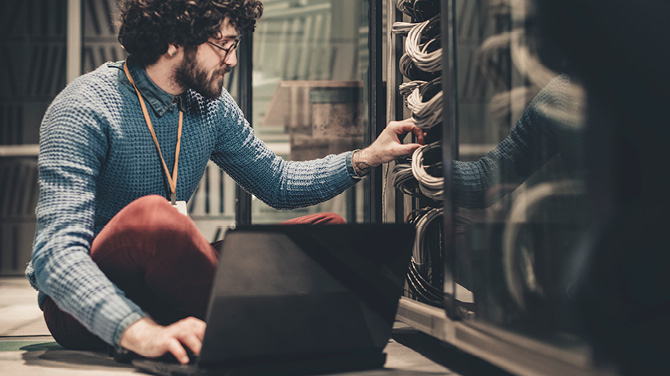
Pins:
x: 456, y: 317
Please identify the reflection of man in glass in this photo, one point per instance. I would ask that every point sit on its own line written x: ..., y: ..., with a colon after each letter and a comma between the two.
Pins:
x: 110, y: 249
x: 550, y: 125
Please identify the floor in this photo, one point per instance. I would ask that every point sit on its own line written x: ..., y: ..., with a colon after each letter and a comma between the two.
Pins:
x: 26, y: 348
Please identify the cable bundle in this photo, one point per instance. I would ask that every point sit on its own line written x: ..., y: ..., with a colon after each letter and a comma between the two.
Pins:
x: 431, y: 186
x: 419, y: 9
x: 422, y: 64
x: 412, y: 72
x: 414, y: 177
x: 403, y: 179
x: 423, y: 261
x: 423, y: 46
x: 406, y: 88
x: 425, y: 103
x: 402, y: 28
x: 422, y: 59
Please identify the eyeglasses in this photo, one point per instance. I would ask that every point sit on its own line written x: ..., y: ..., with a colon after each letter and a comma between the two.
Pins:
x: 228, y: 50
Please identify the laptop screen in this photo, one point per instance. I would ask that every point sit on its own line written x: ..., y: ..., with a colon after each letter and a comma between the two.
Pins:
x: 285, y: 292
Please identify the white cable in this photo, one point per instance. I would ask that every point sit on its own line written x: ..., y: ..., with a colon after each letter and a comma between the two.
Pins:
x: 425, y: 114
x: 403, y: 179
x: 405, y: 66
x: 517, y: 267
x: 402, y: 28
x: 431, y: 186
x: 407, y: 88
x: 420, y: 54
x: 402, y: 6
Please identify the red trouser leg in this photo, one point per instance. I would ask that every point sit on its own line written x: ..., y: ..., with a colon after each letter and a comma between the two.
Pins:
x: 159, y: 259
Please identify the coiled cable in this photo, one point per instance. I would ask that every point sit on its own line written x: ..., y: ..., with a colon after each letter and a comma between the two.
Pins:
x: 419, y: 10
x: 406, y: 88
x: 403, y: 179
x: 431, y: 186
x: 422, y: 59
x: 418, y: 282
x: 412, y: 72
x: 425, y: 103
x: 423, y: 45
x: 402, y: 28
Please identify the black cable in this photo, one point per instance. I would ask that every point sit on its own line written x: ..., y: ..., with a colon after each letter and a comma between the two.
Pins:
x: 424, y: 282
x: 421, y: 293
x: 419, y: 10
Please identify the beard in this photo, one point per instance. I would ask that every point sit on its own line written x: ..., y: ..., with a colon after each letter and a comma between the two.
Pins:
x: 189, y: 74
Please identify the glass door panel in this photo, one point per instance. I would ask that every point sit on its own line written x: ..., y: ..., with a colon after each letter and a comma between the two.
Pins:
x: 519, y: 178
x: 308, y: 89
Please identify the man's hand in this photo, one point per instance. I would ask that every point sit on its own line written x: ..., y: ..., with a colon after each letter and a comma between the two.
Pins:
x: 146, y: 338
x: 387, y: 146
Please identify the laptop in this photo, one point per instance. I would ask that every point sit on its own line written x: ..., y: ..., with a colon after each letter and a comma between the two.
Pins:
x: 301, y: 299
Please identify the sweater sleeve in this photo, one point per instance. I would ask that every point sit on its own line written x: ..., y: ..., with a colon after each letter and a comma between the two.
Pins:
x: 280, y: 184
x: 530, y: 144
x: 72, y: 149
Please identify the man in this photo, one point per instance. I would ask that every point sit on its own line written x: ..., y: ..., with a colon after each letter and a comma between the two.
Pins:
x: 114, y: 262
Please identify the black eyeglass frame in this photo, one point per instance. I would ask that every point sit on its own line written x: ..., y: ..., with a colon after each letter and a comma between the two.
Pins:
x: 227, y: 51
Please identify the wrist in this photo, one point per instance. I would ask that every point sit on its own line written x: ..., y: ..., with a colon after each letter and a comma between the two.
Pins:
x: 122, y: 326
x: 360, y: 162
x: 133, y: 333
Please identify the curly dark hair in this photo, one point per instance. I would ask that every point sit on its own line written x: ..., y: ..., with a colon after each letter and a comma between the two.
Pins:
x: 147, y: 27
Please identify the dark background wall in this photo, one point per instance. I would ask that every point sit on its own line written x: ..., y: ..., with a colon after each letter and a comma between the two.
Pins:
x: 32, y: 65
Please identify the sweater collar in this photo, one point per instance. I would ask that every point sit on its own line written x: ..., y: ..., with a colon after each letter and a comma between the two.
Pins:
x: 160, y: 101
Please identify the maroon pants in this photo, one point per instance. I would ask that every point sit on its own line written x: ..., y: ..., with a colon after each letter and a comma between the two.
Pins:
x: 159, y: 259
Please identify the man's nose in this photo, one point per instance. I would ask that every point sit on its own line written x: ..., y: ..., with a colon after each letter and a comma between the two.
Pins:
x: 231, y: 58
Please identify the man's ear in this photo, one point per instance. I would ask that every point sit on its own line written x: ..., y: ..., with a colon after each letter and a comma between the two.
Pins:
x: 172, y: 50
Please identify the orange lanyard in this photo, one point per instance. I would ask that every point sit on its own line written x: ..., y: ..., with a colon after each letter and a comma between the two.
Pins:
x: 172, y: 180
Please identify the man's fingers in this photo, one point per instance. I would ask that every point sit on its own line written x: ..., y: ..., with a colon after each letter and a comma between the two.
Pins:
x: 407, y: 126
x: 195, y: 326
x: 188, y: 332
x: 403, y: 126
x: 200, y: 330
x: 419, y: 134
x: 194, y: 343
x: 175, y: 348
x: 405, y: 149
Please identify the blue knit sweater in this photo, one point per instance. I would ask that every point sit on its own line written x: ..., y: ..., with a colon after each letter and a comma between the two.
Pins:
x: 97, y: 155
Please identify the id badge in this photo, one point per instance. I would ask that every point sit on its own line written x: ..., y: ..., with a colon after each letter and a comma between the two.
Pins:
x: 181, y: 207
